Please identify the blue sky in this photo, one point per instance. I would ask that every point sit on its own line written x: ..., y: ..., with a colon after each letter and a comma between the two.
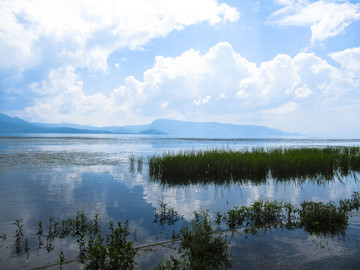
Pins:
x: 293, y: 65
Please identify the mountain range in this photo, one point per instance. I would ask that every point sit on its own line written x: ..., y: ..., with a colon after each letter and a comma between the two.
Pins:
x: 14, y: 125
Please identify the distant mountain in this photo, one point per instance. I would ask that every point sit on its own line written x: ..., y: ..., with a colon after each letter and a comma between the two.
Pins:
x: 15, y: 125
x: 214, y: 129
x: 158, y: 127
x: 152, y: 131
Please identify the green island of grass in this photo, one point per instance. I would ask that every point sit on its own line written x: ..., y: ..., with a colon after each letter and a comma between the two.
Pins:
x: 256, y: 166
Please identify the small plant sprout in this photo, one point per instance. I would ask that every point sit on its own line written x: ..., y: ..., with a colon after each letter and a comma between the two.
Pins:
x: 61, y: 259
x: 166, y: 215
x: 18, y: 234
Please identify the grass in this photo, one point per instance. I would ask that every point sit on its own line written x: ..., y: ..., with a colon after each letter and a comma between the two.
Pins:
x: 199, y: 248
x: 257, y: 165
x: 166, y: 215
x: 323, y: 218
x: 319, y: 218
x: 202, y: 245
x: 97, y: 250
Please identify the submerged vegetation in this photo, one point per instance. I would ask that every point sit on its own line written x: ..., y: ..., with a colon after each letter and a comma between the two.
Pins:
x: 257, y: 165
x: 318, y: 218
x: 202, y: 241
x: 97, y: 249
x: 166, y: 215
x: 199, y: 247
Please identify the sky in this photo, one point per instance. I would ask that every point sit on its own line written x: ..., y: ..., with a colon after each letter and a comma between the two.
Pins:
x: 287, y: 64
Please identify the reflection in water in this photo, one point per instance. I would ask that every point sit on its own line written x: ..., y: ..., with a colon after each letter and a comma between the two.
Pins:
x: 82, y: 179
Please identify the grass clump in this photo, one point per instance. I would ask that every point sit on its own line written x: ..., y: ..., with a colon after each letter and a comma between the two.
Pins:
x: 314, y: 217
x: 259, y: 215
x: 323, y: 218
x: 113, y: 253
x: 166, y: 215
x: 351, y: 204
x: 200, y: 248
x: 282, y: 164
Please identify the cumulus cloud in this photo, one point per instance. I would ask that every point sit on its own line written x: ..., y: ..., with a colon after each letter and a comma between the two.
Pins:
x: 325, y: 18
x: 349, y: 59
x: 84, y: 33
x: 62, y: 98
x: 293, y: 93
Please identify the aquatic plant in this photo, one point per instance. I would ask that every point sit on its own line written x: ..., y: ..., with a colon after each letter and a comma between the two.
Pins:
x: 97, y: 250
x: 260, y: 215
x: 351, y: 204
x: 202, y: 241
x: 132, y: 163
x: 257, y: 165
x: 61, y: 259
x: 166, y: 215
x: 113, y: 253
x: 323, y: 218
x: 200, y: 248
x: 314, y: 217
x: 18, y: 234
x: 139, y: 161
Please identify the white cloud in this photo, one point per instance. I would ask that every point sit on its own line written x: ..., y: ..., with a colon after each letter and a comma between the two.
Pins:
x: 84, y: 33
x: 62, y: 98
x: 349, y: 59
x: 304, y: 93
x: 286, y: 108
x: 325, y: 18
x: 202, y: 100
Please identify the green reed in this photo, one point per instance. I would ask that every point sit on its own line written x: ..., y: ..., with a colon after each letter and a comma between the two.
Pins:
x: 257, y: 165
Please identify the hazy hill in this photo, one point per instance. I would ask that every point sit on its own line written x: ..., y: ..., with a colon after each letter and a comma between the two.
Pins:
x: 214, y: 129
x: 15, y: 125
x: 158, y: 127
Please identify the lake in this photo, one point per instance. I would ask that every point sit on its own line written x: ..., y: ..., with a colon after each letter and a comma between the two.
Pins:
x: 57, y: 175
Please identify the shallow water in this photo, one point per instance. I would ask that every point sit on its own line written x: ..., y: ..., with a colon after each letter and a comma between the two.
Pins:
x: 55, y: 176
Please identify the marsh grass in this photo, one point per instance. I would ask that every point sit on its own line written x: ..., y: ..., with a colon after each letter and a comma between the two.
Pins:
x: 199, y: 248
x: 203, y: 247
x: 202, y: 241
x: 18, y: 235
x: 139, y: 161
x: 323, y: 218
x: 261, y: 214
x: 97, y: 249
x: 319, y: 218
x: 256, y: 166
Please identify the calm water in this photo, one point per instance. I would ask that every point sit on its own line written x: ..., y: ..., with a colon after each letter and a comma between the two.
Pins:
x: 54, y: 176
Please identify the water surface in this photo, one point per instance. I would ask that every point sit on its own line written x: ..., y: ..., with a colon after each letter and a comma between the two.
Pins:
x: 44, y: 176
